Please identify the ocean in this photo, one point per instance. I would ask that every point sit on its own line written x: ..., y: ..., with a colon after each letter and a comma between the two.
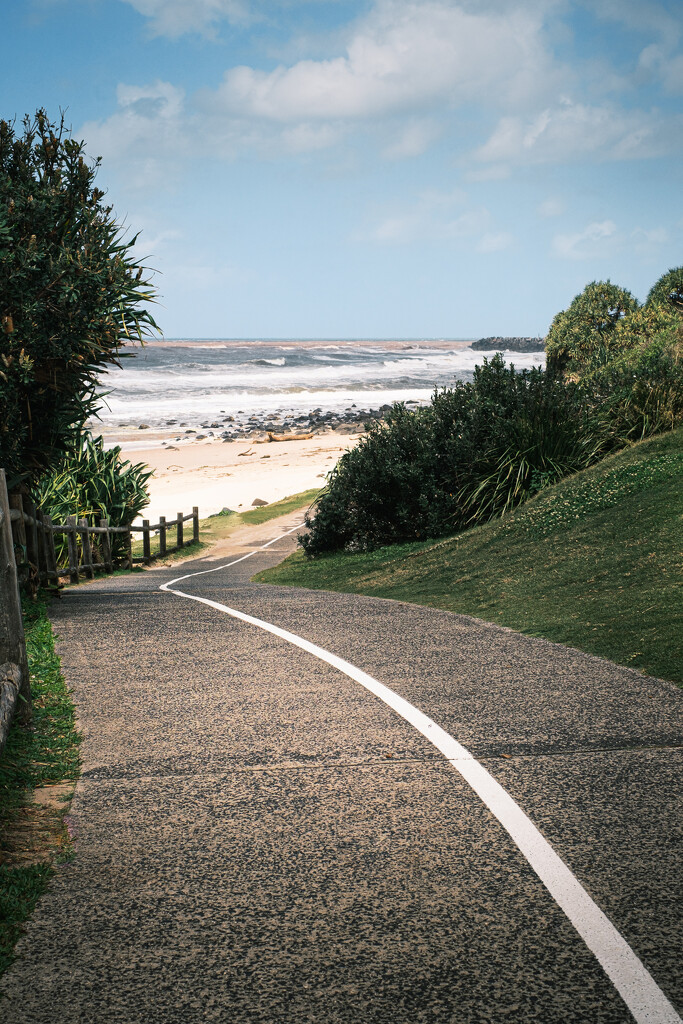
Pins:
x: 190, y: 381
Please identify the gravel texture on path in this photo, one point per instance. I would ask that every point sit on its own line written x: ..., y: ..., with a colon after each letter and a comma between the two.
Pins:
x: 259, y: 839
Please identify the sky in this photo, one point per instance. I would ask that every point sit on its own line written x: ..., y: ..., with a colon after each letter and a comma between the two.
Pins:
x: 370, y: 168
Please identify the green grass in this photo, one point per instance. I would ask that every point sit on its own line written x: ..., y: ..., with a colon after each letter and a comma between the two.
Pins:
x: 44, y: 754
x: 261, y: 514
x: 593, y: 562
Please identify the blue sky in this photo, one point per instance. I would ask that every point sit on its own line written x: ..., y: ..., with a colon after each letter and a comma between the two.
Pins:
x: 300, y: 168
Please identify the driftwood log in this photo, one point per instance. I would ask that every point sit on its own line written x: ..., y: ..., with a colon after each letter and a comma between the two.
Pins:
x: 289, y: 437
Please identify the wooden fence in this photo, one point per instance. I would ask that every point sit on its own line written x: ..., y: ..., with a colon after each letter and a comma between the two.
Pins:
x: 15, y: 685
x: 28, y: 554
x: 89, y: 547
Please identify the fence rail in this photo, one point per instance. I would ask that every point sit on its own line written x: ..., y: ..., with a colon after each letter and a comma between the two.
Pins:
x: 35, y: 533
x: 28, y: 555
x: 15, y: 685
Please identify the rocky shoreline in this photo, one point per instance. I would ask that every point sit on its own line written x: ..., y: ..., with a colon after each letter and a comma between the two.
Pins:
x: 256, y: 428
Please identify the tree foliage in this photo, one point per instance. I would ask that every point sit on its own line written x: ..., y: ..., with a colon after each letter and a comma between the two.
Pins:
x: 629, y: 357
x: 668, y: 291
x: 71, y: 293
x: 585, y: 333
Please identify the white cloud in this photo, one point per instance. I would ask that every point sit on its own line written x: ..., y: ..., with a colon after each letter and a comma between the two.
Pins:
x: 154, y: 131
x: 153, y: 244
x: 394, y: 84
x: 550, y: 208
x: 147, y: 131
x: 494, y: 242
x: 572, y: 131
x: 601, y: 239
x: 593, y: 241
x: 651, y: 236
x: 404, y: 57
x: 306, y: 137
x: 658, y: 62
x: 413, y: 138
x: 494, y: 172
x: 175, y: 18
x: 647, y: 243
x: 436, y: 217
x: 648, y: 16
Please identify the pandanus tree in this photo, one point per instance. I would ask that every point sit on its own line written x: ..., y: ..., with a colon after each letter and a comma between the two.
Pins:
x: 668, y: 291
x: 584, y: 335
x: 628, y: 356
x: 72, y: 293
x: 605, y: 322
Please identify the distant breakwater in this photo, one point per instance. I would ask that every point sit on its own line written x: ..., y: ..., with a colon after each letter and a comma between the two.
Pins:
x: 509, y: 345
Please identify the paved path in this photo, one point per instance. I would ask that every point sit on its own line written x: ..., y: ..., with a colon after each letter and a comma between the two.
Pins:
x: 259, y: 839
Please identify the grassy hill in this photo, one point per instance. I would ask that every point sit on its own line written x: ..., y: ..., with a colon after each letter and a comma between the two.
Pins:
x: 594, y: 562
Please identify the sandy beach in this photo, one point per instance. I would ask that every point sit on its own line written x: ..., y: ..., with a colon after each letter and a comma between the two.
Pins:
x: 214, y: 475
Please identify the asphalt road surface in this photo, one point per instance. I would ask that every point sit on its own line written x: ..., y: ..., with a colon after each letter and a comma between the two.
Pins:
x: 260, y: 838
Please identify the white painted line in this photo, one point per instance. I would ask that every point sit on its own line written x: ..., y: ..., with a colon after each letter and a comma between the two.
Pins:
x: 636, y: 986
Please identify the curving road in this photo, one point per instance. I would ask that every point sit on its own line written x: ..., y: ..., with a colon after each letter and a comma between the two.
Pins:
x: 260, y: 838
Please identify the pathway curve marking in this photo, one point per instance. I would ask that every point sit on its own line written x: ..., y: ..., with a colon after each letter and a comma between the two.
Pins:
x: 634, y: 983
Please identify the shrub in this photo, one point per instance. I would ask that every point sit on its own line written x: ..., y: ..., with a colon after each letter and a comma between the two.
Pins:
x: 384, y: 490
x: 549, y: 435
x: 93, y: 483
x: 476, y: 451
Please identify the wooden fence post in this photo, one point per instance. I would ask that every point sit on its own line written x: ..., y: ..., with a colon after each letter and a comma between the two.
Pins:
x: 129, y: 547
x: 195, y: 524
x: 15, y: 682
x: 162, y: 535
x: 50, y: 553
x: 16, y: 502
x: 86, y: 548
x: 32, y: 548
x: 179, y: 530
x: 72, y: 546
x: 44, y: 570
x: 146, y: 547
x: 106, y: 546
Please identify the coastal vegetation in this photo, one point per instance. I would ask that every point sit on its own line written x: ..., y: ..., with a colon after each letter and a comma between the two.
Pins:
x: 72, y: 292
x: 92, y: 482
x: 593, y: 561
x: 614, y: 375
x: 477, y: 450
